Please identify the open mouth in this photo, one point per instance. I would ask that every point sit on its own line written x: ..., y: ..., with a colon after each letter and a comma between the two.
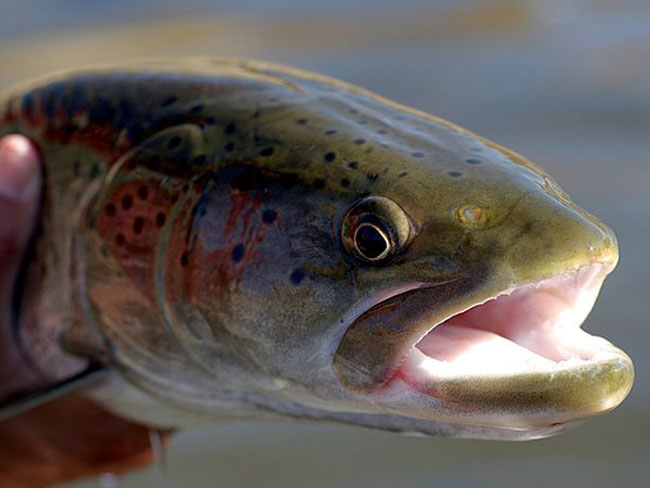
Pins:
x: 522, y: 352
x: 533, y: 328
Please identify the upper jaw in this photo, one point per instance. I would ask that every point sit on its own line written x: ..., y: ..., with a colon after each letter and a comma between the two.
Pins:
x: 516, y: 360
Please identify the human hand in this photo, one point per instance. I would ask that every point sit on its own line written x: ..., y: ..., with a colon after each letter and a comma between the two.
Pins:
x: 71, y: 437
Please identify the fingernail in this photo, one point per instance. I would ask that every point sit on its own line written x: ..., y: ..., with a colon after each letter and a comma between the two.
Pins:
x: 19, y: 171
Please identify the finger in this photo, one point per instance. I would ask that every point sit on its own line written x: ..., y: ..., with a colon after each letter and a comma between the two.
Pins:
x: 20, y: 183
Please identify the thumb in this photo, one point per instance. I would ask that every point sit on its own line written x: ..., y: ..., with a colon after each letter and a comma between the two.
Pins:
x: 20, y: 184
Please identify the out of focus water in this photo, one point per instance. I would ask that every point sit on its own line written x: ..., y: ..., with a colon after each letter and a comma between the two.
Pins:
x: 566, y: 83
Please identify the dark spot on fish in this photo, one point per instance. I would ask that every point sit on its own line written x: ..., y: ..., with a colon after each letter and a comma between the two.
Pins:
x: 210, y: 121
x: 168, y: 101
x: 154, y: 160
x: 301, y: 121
x: 267, y: 151
x: 288, y: 180
x: 273, y: 99
x: 455, y: 174
x: 185, y: 258
x: 110, y: 209
x: 200, y: 159
x: 229, y: 147
x: 358, y: 142
x: 400, y: 117
x: 353, y: 164
x: 143, y: 192
x: 417, y: 154
x: 134, y: 131
x: 473, y: 161
x: 329, y: 132
x: 382, y: 131
x: 319, y: 183
x: 28, y: 104
x: 196, y: 109
x: 244, y: 179
x: 354, y: 111
x: 402, y: 174
x: 345, y: 182
x: 102, y: 112
x: 174, y: 199
x: 174, y: 142
x: 160, y: 219
x: 362, y: 122
x: 297, y: 276
x: 268, y: 216
x: 138, y: 225
x: 127, y: 202
x: 238, y: 252
x: 372, y: 177
x: 94, y: 171
x: 120, y: 239
x: 330, y: 156
x: 229, y: 129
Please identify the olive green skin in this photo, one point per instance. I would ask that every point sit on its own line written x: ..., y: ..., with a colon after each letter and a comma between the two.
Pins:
x: 206, y: 335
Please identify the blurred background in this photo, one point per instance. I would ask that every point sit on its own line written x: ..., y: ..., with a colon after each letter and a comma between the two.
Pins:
x: 564, y: 82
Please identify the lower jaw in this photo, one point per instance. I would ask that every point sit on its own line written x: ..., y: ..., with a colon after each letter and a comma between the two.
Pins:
x: 531, y: 400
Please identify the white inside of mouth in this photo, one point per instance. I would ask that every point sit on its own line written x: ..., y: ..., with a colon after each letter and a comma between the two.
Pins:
x: 535, y: 328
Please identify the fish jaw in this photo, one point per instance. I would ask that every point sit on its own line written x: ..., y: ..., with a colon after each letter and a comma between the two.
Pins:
x: 517, y: 361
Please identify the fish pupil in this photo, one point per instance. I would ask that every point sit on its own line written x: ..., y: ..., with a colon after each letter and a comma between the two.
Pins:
x: 371, y: 242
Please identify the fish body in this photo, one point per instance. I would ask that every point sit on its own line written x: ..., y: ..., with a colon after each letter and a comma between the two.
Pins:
x: 241, y: 239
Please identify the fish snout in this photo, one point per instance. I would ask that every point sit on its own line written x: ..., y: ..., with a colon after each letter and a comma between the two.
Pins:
x: 548, y: 236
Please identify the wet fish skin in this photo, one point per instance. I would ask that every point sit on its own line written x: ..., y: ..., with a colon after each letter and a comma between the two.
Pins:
x: 190, y: 238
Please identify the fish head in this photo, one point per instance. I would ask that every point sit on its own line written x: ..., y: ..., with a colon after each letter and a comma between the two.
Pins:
x: 412, y: 276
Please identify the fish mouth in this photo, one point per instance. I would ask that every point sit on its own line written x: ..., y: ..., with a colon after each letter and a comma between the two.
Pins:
x: 516, y: 360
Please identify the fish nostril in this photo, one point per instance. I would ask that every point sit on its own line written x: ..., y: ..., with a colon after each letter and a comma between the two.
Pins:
x: 471, y: 215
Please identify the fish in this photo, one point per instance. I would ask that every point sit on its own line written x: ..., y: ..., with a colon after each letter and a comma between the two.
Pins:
x: 227, y: 238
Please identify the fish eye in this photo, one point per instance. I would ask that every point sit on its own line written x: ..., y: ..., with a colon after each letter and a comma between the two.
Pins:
x: 375, y: 229
x: 371, y: 242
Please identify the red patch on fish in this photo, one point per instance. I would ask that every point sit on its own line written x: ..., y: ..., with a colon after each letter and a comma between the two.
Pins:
x: 200, y: 274
x: 130, y: 223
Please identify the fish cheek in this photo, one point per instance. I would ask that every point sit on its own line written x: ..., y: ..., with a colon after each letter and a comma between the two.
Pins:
x: 120, y: 248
